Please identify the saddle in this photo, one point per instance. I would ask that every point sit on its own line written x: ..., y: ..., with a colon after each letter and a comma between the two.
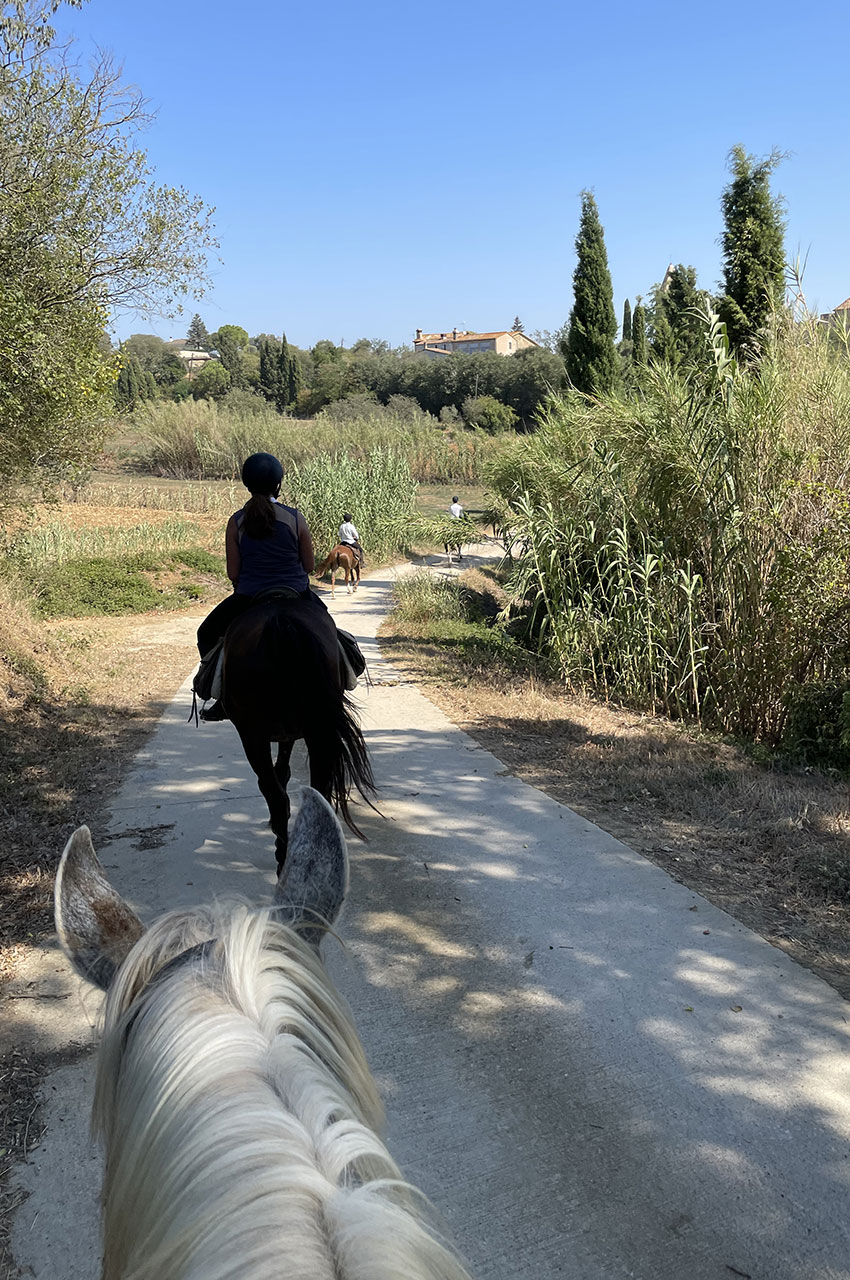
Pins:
x: 207, y: 684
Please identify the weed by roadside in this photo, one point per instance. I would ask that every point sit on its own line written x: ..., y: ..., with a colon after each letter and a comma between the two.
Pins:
x: 458, y: 617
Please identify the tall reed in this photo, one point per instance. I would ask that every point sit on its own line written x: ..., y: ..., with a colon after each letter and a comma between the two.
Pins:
x: 687, y: 546
x: 199, y: 439
x: 378, y: 490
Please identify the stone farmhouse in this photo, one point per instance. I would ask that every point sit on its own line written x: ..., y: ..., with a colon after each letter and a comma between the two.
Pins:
x: 505, y: 342
x: 193, y: 360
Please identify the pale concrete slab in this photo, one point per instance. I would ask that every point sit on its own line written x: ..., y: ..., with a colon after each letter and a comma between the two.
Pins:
x: 593, y: 1072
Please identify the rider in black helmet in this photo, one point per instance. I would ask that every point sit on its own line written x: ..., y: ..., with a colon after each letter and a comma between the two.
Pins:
x: 267, y: 545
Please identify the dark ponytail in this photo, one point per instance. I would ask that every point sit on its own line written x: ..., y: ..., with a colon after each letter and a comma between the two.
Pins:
x: 259, y: 516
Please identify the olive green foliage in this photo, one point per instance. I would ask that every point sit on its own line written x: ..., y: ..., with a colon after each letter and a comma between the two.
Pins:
x: 446, y: 613
x: 89, y: 587
x: 230, y: 342
x: 211, y: 382
x: 147, y: 348
x: 522, y: 381
x: 83, y: 228
x: 753, y: 244
x: 818, y: 726
x: 626, y: 335
x: 689, y: 542
x: 589, y: 352
x: 489, y: 414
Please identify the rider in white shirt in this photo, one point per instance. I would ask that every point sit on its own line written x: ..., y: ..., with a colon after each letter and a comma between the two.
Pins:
x: 456, y: 509
x: 349, y: 536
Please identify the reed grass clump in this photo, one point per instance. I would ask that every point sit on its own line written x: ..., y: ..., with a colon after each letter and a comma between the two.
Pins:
x: 52, y: 542
x: 378, y: 490
x: 203, y: 440
x: 686, y: 546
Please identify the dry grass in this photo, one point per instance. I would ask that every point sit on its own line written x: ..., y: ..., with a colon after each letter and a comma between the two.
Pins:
x: 77, y: 700
x: 771, y: 846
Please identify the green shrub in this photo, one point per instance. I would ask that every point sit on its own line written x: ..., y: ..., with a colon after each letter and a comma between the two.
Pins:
x: 421, y: 597
x: 200, y: 560
x: 95, y: 586
x: 818, y: 724
x: 489, y: 414
x: 86, y: 588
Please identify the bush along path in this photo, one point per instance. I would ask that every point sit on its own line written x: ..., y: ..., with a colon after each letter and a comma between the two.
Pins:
x: 641, y: 1084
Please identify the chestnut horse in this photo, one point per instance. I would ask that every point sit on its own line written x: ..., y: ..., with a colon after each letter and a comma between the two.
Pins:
x: 345, y: 559
x: 240, y: 1120
x: 281, y: 681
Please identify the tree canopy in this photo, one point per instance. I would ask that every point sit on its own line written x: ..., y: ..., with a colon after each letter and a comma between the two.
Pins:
x: 84, y: 229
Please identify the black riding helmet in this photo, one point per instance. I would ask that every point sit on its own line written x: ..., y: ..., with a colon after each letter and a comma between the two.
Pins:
x: 262, y: 473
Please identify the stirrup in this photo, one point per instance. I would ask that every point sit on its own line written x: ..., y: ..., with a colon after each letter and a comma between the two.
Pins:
x: 214, y: 713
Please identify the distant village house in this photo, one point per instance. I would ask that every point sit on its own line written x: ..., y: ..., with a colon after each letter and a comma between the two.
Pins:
x: 840, y: 316
x: 193, y: 360
x: 505, y: 342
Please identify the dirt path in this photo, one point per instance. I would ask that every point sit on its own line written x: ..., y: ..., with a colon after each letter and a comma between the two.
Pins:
x: 592, y: 1071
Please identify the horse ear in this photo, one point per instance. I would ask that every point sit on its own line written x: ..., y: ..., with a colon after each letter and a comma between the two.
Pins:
x: 314, y: 880
x: 95, y: 925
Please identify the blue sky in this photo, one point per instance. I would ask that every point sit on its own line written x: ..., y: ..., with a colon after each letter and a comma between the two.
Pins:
x: 385, y: 166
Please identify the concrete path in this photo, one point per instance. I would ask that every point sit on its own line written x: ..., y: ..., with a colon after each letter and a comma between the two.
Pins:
x: 592, y: 1072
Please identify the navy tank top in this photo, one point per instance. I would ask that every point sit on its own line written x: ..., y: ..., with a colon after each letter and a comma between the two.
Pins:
x: 273, y: 561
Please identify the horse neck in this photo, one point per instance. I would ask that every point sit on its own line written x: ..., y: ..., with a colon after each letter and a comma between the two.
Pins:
x: 238, y: 1094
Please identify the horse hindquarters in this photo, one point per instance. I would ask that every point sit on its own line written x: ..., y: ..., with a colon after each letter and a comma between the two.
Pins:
x: 282, y: 682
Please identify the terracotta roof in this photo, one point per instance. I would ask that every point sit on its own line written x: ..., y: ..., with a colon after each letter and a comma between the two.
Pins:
x: 463, y: 337
x: 843, y: 306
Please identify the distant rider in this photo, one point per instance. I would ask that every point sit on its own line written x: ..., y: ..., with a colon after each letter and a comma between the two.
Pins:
x: 349, y: 536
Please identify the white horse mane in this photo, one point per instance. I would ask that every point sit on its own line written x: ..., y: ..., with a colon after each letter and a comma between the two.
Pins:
x: 239, y: 1118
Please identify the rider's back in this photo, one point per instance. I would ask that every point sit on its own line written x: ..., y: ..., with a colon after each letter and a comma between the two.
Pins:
x: 272, y: 561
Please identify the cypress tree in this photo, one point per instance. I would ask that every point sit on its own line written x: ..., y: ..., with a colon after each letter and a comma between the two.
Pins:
x: 639, y: 349
x: 284, y: 376
x: 295, y: 379
x: 230, y: 356
x: 627, y: 321
x: 197, y: 337
x: 680, y: 302
x: 753, y: 244
x: 129, y: 389
x: 269, y: 371
x: 662, y: 340
x: 589, y: 352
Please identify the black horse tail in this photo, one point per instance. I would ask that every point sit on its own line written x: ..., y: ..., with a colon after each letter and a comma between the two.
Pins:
x: 335, y: 742
x: 351, y: 765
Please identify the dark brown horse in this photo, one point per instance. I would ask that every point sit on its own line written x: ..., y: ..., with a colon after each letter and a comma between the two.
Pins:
x: 281, y: 681
x: 341, y: 558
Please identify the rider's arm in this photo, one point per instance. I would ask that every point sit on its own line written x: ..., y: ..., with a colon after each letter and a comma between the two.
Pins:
x: 231, y: 549
x: 305, y: 546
